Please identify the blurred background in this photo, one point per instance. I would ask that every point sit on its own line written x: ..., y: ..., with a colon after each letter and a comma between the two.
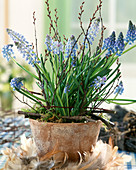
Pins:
x: 18, y: 15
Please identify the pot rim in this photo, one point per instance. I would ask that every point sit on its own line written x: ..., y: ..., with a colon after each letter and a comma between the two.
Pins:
x: 51, y: 123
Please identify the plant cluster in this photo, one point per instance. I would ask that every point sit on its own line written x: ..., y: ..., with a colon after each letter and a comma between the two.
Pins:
x: 72, y: 80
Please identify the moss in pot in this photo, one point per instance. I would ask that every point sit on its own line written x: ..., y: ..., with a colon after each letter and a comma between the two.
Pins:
x: 73, y: 82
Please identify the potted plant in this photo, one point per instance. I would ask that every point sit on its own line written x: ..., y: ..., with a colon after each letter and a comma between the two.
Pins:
x: 73, y: 82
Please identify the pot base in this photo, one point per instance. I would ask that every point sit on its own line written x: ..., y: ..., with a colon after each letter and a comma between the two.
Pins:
x: 66, y: 137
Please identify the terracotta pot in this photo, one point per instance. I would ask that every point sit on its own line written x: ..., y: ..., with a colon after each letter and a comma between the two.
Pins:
x: 67, y: 137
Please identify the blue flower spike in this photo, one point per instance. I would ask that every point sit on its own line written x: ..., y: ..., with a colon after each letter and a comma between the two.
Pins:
x: 119, y: 45
x: 131, y: 33
x: 16, y: 83
x: 119, y: 89
x: 66, y: 89
x: 23, y: 47
x: 70, y: 48
x: 109, y: 43
x: 57, y: 47
x: 16, y: 37
x: 99, y: 81
x: 93, y: 30
x: 48, y: 42
x: 8, y: 52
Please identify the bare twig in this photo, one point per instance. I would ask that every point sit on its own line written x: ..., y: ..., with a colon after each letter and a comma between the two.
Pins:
x: 22, y: 101
x: 34, y: 18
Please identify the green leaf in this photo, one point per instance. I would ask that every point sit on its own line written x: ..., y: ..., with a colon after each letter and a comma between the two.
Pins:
x: 77, y: 84
x: 45, y: 73
x: 33, y: 96
x: 60, y: 102
x: 30, y: 97
x: 76, y: 109
x: 114, y: 71
x: 31, y: 74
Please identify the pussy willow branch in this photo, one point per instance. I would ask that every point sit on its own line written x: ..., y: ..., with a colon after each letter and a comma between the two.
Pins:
x: 91, y: 19
x: 102, y: 30
x: 83, y: 30
x: 56, y: 24
x: 49, y: 15
x: 35, y: 33
x: 56, y: 35
x: 102, y: 33
x: 98, y: 7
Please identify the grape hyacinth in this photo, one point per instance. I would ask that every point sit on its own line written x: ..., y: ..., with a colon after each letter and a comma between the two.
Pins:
x: 57, y: 47
x: 71, y: 47
x: 93, y: 30
x: 23, y: 47
x: 99, y: 81
x: 48, y: 42
x: 8, y: 52
x: 16, y: 83
x: 131, y: 33
x: 119, y: 89
x: 109, y: 43
x: 73, y: 75
x: 119, y: 44
x: 66, y: 89
x: 16, y: 37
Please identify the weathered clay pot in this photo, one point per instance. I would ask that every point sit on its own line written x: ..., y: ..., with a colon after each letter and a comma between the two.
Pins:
x: 67, y: 137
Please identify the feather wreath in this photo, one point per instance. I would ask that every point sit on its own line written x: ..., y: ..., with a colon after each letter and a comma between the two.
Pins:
x: 102, y: 157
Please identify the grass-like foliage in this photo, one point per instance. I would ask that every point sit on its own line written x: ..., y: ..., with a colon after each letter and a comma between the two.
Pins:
x: 72, y: 80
